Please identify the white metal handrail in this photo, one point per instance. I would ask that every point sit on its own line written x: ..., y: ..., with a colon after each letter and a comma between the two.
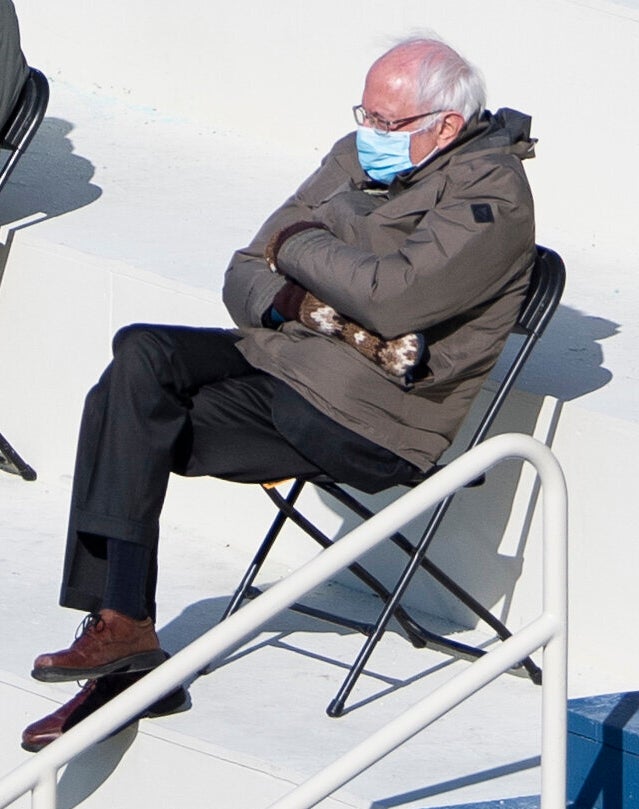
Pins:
x: 39, y: 775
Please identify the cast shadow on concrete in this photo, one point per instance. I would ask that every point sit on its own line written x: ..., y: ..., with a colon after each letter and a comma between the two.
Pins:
x: 50, y: 177
x: 88, y: 771
x: 95, y: 765
x: 529, y: 802
x: 290, y: 631
x: 85, y: 774
x: 567, y: 363
x: 49, y: 180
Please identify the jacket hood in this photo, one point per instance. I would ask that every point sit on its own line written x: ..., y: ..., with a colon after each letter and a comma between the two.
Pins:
x: 506, y: 129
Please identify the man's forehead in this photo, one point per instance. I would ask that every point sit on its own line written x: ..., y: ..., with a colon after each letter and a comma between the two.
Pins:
x: 387, y: 92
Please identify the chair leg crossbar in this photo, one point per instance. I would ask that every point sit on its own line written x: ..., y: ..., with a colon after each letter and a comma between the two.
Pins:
x: 418, y: 635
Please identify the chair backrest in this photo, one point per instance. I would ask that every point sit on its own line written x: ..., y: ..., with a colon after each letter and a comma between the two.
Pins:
x: 544, y: 293
x: 24, y: 120
x: 545, y: 290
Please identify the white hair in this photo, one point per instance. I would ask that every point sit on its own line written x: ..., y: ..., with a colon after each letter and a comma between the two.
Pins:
x: 446, y: 81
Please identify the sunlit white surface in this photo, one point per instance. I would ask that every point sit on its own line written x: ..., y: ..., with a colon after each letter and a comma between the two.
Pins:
x: 151, y: 168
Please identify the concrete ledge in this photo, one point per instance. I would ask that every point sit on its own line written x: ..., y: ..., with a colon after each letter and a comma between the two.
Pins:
x: 142, y: 760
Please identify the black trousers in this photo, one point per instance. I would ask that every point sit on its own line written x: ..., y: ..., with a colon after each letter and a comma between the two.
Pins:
x: 184, y: 400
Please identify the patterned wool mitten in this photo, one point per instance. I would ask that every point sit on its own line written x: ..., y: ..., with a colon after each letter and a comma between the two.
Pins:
x: 320, y: 316
x: 397, y: 357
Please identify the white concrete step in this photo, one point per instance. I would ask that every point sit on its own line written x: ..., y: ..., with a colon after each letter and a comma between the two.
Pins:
x: 264, y: 708
x: 146, y: 764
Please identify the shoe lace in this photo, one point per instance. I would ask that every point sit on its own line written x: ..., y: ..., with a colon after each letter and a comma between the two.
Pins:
x: 91, y: 621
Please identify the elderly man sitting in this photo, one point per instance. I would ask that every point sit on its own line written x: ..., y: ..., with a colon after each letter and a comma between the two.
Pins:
x: 370, y: 308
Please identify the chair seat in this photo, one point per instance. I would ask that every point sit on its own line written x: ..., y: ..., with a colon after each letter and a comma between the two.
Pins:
x: 418, y: 477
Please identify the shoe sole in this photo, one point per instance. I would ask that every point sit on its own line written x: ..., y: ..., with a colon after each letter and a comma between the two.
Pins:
x: 125, y: 665
x: 35, y: 747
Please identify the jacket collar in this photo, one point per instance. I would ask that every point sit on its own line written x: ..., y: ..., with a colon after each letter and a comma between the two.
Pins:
x: 507, y: 131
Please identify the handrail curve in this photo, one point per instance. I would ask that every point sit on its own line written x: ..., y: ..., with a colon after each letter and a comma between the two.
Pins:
x: 39, y: 774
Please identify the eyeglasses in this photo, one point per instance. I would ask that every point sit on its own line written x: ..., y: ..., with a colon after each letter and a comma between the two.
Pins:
x: 381, y: 124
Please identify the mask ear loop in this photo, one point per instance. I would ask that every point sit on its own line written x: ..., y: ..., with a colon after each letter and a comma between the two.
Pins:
x: 428, y: 157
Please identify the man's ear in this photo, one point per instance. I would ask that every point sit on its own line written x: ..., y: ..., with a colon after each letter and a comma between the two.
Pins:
x: 448, y: 128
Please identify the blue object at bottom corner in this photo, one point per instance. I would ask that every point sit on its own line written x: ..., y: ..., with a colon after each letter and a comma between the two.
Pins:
x: 603, y: 751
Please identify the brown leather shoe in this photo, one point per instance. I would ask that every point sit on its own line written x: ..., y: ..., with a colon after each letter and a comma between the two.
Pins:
x: 93, y: 695
x: 109, y: 642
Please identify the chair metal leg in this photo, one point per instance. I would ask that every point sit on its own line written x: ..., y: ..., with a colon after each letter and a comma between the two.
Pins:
x: 416, y: 633
x: 244, y: 589
x: 10, y: 461
x: 336, y: 707
x: 417, y: 554
x: 262, y: 552
x: 534, y: 672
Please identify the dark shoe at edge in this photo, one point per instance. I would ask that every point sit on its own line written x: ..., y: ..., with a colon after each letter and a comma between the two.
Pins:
x: 93, y: 695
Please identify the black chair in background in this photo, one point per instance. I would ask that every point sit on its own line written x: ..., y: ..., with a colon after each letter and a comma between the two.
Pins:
x: 22, y: 124
x: 15, y: 136
x: 546, y: 287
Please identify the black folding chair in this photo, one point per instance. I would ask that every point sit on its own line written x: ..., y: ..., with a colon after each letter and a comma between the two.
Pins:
x: 544, y: 293
x: 23, y: 122
x: 15, y: 136
x: 10, y: 461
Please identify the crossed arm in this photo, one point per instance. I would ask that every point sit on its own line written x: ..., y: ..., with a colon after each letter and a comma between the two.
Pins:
x: 442, y: 267
x: 397, y: 357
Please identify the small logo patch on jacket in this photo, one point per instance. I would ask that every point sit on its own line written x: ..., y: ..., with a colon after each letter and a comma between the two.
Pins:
x: 482, y: 212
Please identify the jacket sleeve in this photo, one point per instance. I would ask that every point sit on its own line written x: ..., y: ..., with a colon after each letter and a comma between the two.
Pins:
x: 249, y: 284
x: 461, y: 254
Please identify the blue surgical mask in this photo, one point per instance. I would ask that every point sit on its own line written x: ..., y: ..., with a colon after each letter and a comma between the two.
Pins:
x: 383, y: 155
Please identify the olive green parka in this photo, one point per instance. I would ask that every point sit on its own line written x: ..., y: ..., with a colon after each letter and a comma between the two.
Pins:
x: 445, y: 250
